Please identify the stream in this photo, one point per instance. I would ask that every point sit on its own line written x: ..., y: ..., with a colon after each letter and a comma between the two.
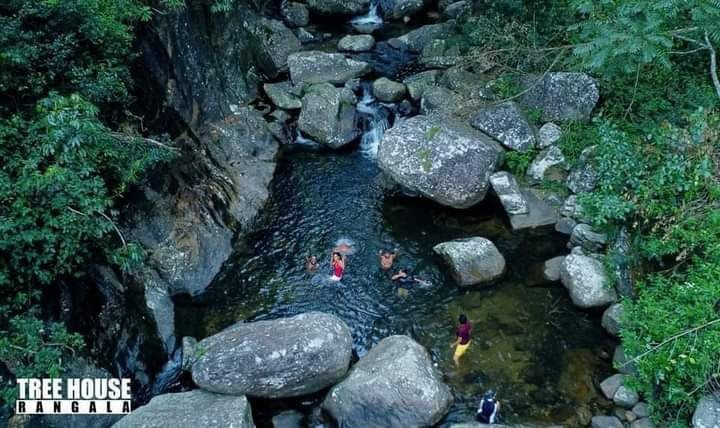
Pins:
x: 529, y: 342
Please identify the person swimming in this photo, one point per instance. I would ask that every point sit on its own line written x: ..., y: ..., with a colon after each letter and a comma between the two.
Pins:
x: 311, y: 263
x: 404, y: 276
x: 338, y: 266
x: 387, y: 258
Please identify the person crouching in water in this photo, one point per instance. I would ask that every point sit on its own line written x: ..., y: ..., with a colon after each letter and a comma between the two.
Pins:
x: 488, y: 409
x: 338, y: 266
x: 462, y: 340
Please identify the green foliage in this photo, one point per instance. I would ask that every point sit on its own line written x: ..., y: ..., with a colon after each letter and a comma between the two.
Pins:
x: 431, y: 133
x: 518, y: 162
x: 576, y: 137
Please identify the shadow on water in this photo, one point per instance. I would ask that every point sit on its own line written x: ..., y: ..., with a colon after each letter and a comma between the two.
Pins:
x: 530, y: 343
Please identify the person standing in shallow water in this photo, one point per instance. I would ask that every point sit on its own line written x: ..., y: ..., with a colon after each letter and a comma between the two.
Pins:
x: 462, y: 338
x: 338, y: 266
x: 311, y: 263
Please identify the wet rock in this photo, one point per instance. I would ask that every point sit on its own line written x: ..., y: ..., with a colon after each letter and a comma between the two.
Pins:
x: 188, y: 352
x: 338, y: 7
x: 388, y: 91
x: 277, y: 42
x: 439, y: 159
x: 472, y: 260
x: 506, y: 123
x: 545, y: 160
x: 551, y: 268
x: 417, y: 39
x: 328, y: 116
x: 321, y: 67
x: 585, y: 279
x: 398, y: 9
x: 356, y: 43
x: 540, y: 214
x: 584, y: 236
x: 457, y: 9
x: 625, y: 397
x: 641, y: 410
x: 565, y: 225
x: 548, y: 135
x: 643, y: 423
x: 195, y: 408
x: 280, y: 94
x: 610, y: 385
x: 294, y: 14
x: 507, y: 189
x: 611, y: 318
x: 285, y: 357
x: 707, y: 412
x: 394, y: 385
x: 606, y: 422
x: 288, y: 419
x: 620, y: 362
x: 438, y: 100
x: 417, y: 83
x: 583, y: 178
x: 562, y: 96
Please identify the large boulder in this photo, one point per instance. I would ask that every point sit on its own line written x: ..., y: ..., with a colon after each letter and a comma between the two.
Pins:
x: 398, y: 9
x: 561, y: 96
x: 507, y: 189
x: 285, y: 357
x: 338, y: 7
x: 322, y: 67
x: 417, y: 39
x: 707, y: 412
x: 441, y: 160
x: 507, y: 124
x: 277, y: 42
x: 472, y: 260
x: 295, y: 14
x: 394, y: 385
x: 328, y: 116
x: 195, y: 408
x: 417, y: 83
x: 388, y: 91
x: 585, y: 279
x: 440, y: 101
x: 356, y: 43
x: 551, y: 268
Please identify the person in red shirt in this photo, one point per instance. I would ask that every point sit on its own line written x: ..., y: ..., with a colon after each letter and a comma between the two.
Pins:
x: 462, y: 338
x: 338, y: 266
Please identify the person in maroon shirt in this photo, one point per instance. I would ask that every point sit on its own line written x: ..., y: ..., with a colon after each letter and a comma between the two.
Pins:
x: 462, y: 338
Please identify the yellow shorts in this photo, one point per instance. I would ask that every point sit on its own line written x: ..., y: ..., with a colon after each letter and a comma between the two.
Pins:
x: 460, y: 349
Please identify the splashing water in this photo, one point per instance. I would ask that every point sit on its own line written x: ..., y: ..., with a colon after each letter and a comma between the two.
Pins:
x: 376, y: 120
x: 369, y: 22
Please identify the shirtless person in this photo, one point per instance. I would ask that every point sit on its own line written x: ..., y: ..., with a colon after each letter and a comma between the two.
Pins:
x: 387, y: 258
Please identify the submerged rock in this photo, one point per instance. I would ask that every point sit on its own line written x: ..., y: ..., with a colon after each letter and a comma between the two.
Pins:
x: 338, y: 7
x: 321, y: 67
x: 195, y: 408
x: 707, y: 412
x: 443, y: 161
x: 356, y: 43
x: 394, y: 385
x: 328, y: 116
x: 585, y: 279
x: 561, y: 96
x: 285, y: 357
x: 288, y: 419
x: 472, y: 260
x: 506, y: 123
x: 388, y: 91
x: 507, y: 189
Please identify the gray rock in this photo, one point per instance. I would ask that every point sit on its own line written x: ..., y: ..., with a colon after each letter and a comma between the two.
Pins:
x: 338, y: 7
x: 328, y: 116
x: 285, y: 357
x: 644, y: 423
x: 160, y: 306
x: 610, y: 385
x: 548, y: 135
x: 540, y: 214
x: 439, y: 53
x: 626, y: 397
x: 401, y: 8
x: 562, y: 96
x: 578, y: 251
x: 620, y: 255
x: 441, y: 160
x: 548, y: 158
x: 295, y: 14
x: 583, y: 178
x: 620, y: 362
x: 707, y: 412
x: 394, y: 385
x: 641, y: 410
x: 388, y: 91
x: 606, y: 422
x: 506, y: 123
x: 188, y: 352
x: 280, y: 94
x: 288, y: 419
x: 195, y: 408
x: 584, y: 236
x: 321, y: 67
x: 465, y: 82
x: 277, y: 43
x: 417, y: 83
x: 439, y: 101
x: 507, y: 189
x: 356, y: 43
x: 551, y: 268
x: 457, y: 9
x: 585, y: 279
x: 612, y: 318
x: 305, y: 36
x: 472, y: 260
x: 417, y: 39
x: 565, y: 225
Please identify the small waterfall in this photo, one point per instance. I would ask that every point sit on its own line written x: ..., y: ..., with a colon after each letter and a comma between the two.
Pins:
x: 169, y: 375
x: 369, y: 22
x: 375, y: 121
